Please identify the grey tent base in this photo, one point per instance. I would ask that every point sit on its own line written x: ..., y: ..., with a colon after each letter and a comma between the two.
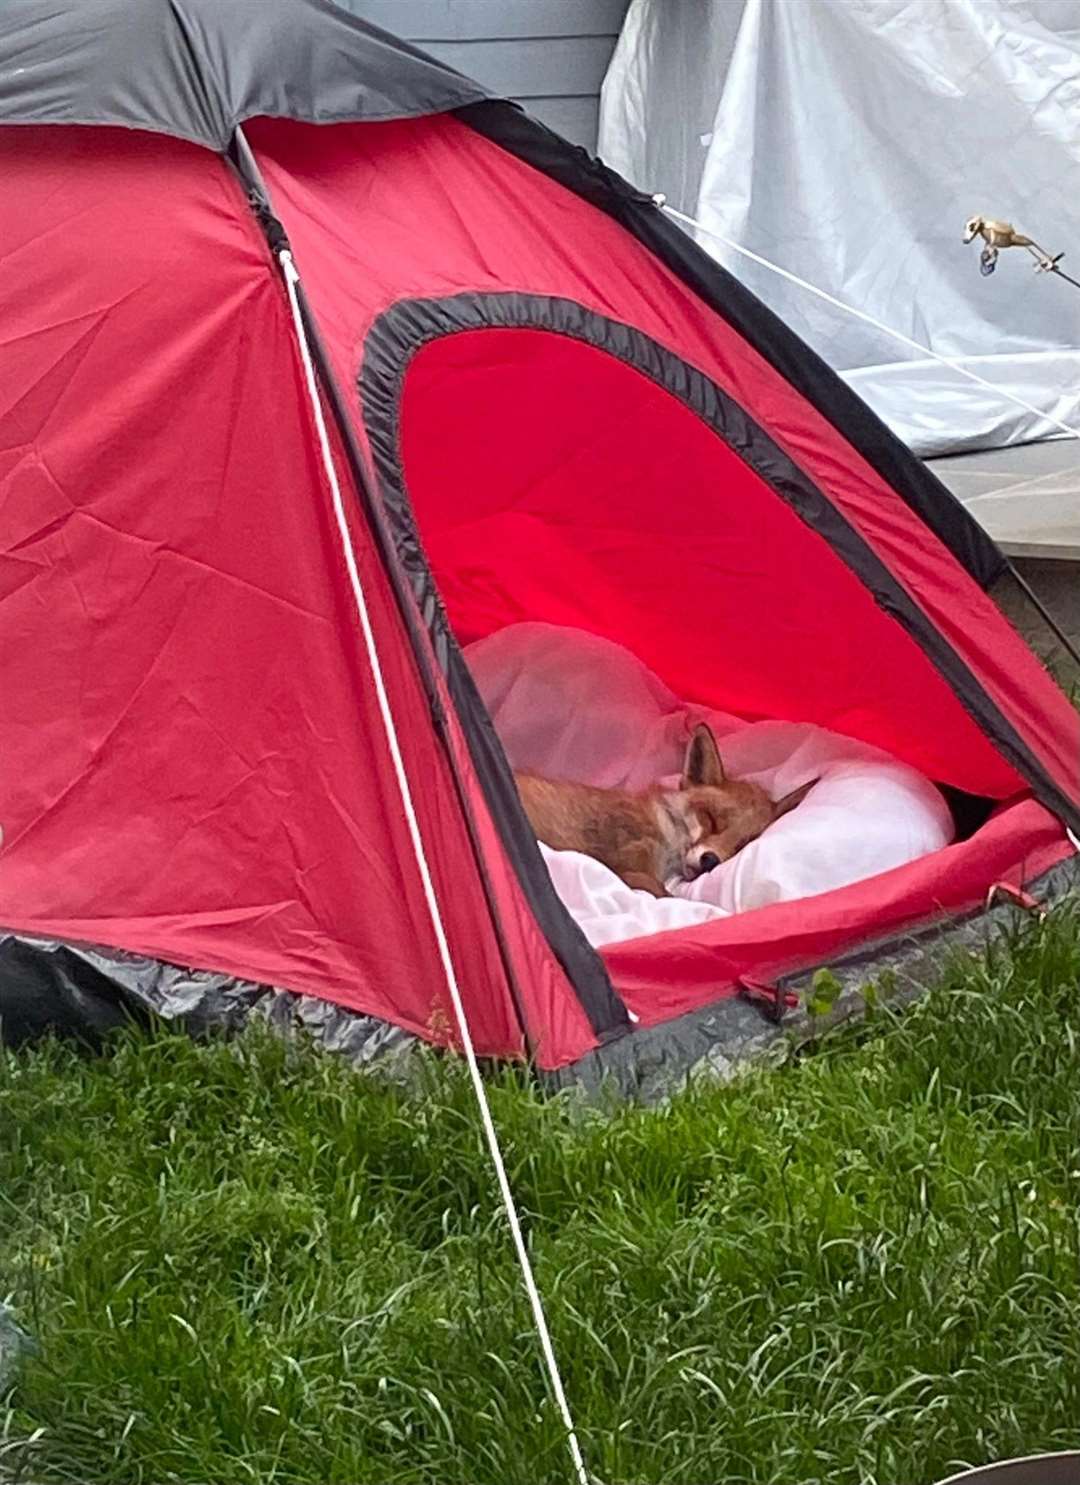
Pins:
x: 84, y: 992
x: 719, y: 1040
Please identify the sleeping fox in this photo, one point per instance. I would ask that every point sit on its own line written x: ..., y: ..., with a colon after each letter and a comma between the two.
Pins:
x: 647, y: 839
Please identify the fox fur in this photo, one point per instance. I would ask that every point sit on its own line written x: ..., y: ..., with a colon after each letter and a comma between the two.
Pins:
x: 660, y: 835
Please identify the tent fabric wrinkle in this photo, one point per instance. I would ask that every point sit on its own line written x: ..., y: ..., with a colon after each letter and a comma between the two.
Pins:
x: 544, y: 406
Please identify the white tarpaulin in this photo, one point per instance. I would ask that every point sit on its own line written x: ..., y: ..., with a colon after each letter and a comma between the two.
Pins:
x: 849, y: 141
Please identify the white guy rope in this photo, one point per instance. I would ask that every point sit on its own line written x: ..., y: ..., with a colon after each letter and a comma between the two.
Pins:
x: 861, y: 314
x: 292, y: 279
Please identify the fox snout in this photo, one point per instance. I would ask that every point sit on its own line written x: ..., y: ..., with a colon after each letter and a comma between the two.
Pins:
x: 706, y: 855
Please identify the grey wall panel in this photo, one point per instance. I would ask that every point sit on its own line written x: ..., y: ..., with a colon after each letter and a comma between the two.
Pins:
x: 569, y: 66
x: 577, y: 119
x: 551, y: 55
x: 468, y: 20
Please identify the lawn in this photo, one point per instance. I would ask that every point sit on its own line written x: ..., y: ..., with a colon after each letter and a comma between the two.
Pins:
x: 247, y: 1262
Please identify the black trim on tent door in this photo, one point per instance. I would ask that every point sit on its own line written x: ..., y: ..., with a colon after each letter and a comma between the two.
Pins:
x: 410, y: 324
x: 571, y: 166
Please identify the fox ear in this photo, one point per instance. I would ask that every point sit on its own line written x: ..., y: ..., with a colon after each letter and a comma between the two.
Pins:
x: 703, y: 764
x: 787, y: 804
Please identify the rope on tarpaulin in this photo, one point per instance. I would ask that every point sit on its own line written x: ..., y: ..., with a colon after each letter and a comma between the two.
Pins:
x: 1046, y: 264
x: 860, y: 314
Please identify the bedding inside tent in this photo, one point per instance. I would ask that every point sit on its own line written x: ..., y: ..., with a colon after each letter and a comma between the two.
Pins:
x: 569, y: 705
x: 617, y: 571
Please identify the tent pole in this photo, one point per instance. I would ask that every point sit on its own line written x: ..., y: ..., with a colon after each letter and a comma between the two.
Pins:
x: 251, y: 177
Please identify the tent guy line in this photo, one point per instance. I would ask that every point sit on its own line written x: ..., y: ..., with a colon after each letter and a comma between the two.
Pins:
x: 292, y: 280
x: 660, y: 200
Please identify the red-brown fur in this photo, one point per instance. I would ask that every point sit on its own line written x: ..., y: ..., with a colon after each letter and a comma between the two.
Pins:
x: 648, y: 838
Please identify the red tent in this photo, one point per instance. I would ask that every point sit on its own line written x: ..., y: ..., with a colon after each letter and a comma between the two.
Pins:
x: 543, y: 402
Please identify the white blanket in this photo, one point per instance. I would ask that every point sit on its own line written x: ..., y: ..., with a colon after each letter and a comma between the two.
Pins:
x: 570, y: 705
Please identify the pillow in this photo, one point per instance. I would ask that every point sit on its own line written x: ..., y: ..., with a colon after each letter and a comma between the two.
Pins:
x: 867, y: 814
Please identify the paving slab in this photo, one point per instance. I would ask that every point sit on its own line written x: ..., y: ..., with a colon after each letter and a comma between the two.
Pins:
x: 1027, y: 497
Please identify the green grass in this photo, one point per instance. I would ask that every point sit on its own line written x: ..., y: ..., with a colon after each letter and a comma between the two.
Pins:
x: 245, y: 1262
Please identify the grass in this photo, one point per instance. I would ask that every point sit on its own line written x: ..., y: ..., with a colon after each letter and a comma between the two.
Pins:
x: 245, y: 1262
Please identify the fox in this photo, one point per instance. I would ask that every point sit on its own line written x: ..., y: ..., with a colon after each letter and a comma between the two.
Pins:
x: 652, y: 838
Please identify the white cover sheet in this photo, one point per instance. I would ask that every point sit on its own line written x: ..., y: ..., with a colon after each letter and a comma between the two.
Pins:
x: 849, y: 141
x: 570, y: 705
